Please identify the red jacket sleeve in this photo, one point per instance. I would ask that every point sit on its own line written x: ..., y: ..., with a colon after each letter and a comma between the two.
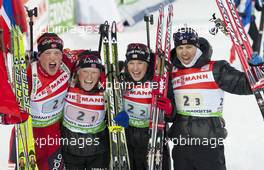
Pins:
x: 70, y: 57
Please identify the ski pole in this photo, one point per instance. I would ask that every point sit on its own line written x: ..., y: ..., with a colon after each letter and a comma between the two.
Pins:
x: 101, y: 37
x: 103, y: 31
x: 31, y: 13
x: 261, y: 27
x: 149, y: 20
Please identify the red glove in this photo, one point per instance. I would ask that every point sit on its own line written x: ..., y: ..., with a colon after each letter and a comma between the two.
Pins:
x: 8, y: 119
x: 164, y: 103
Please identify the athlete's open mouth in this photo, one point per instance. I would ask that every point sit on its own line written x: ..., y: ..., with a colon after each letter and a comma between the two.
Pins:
x: 89, y: 82
x: 52, y: 65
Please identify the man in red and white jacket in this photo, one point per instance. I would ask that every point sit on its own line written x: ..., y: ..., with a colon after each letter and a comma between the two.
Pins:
x: 198, y: 94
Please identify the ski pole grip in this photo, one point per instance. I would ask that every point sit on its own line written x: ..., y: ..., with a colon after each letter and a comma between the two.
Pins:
x: 31, y: 13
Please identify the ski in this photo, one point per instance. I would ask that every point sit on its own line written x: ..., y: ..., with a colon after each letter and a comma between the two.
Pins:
x: 28, y: 129
x: 26, y: 158
x: 114, y: 100
x: 161, y: 75
x: 254, y: 74
x: 123, y: 151
x: 153, y: 131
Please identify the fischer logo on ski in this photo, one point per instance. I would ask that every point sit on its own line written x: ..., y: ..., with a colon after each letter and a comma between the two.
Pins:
x: 114, y: 100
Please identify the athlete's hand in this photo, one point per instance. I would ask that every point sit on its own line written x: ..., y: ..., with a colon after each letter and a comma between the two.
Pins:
x: 122, y: 119
x: 8, y: 119
x: 165, y: 104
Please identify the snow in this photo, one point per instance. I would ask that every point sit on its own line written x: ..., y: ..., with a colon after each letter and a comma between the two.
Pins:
x: 244, y: 146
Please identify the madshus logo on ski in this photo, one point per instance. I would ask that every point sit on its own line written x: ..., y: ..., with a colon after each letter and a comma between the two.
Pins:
x: 157, y: 122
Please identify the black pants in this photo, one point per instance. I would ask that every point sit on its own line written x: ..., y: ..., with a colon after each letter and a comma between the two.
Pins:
x: 138, y: 158
x: 137, y: 143
x: 98, y: 161
x: 198, y: 158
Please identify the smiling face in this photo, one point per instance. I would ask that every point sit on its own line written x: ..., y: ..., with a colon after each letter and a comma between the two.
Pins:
x: 88, y: 77
x: 50, y: 60
x: 137, y: 69
x: 186, y: 53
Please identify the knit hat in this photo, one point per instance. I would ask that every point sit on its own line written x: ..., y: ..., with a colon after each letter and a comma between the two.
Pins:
x: 137, y: 51
x: 49, y: 41
x: 89, y: 59
x: 186, y: 35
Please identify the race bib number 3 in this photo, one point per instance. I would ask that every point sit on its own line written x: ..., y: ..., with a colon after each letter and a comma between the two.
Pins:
x: 189, y: 100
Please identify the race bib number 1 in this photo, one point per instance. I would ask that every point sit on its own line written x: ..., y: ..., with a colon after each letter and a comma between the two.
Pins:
x: 82, y: 116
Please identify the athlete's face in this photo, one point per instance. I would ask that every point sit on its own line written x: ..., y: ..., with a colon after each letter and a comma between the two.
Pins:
x: 50, y: 60
x: 88, y: 77
x: 186, y: 53
x: 137, y: 69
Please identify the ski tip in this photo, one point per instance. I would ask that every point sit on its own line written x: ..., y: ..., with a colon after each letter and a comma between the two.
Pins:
x: 113, y: 27
x: 161, y: 8
x: 106, y: 23
x: 170, y: 8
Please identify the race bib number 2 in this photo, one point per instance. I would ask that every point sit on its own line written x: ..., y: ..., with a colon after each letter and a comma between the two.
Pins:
x: 135, y: 110
x: 53, y: 105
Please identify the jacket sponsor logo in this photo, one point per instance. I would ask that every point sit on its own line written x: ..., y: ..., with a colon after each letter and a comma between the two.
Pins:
x: 184, y: 79
x: 54, y: 85
x: 80, y: 99
x: 141, y: 93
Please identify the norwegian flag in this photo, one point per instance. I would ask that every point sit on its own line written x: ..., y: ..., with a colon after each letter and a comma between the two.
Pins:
x: 8, y: 10
x: 12, y: 13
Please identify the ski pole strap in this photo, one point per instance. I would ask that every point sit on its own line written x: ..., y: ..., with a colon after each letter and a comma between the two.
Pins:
x: 116, y: 129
